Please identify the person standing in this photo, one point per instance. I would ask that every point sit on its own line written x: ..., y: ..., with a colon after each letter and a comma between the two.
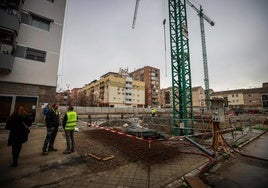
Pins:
x: 45, y: 110
x: 69, y: 124
x: 52, y: 125
x: 18, y: 124
x: 153, y: 112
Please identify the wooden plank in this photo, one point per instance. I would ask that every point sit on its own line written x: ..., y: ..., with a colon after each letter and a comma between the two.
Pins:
x: 108, y: 158
x: 94, y: 156
x: 195, y: 182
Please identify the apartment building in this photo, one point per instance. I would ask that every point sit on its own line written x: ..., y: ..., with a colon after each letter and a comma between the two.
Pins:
x: 74, y: 96
x: 198, y: 97
x: 151, y: 77
x: 165, y: 99
x: 114, y: 90
x: 30, y: 41
x: 254, y: 98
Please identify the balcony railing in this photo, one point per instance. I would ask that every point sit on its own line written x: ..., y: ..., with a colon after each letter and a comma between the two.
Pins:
x: 9, y: 21
x: 6, y: 62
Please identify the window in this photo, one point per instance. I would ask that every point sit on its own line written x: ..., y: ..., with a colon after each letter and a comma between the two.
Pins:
x: 40, y: 23
x: 36, y: 20
x: 30, y: 53
x: 35, y: 54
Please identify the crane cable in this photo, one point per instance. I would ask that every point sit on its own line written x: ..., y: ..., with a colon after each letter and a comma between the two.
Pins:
x: 164, y: 27
x: 164, y: 22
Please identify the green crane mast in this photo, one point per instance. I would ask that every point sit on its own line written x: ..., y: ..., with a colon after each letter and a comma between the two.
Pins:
x: 180, y: 64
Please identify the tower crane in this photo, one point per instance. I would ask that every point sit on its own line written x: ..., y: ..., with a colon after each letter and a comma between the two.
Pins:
x: 135, y: 13
x: 180, y: 64
x: 202, y: 16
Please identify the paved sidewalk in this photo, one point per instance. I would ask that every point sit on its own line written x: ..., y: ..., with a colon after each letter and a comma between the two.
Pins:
x: 35, y: 169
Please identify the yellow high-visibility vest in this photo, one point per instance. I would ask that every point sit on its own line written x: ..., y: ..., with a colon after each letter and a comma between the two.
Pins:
x: 71, y: 121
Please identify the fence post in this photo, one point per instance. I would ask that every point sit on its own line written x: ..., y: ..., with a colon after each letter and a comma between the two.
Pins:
x: 89, y: 119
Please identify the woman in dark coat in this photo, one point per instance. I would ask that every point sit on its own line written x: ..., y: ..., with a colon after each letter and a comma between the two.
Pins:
x: 18, y: 124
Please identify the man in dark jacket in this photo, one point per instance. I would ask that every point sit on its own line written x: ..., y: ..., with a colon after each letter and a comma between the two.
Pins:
x: 52, y: 124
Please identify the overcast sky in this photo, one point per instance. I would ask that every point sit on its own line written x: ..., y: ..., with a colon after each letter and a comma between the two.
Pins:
x: 98, y: 38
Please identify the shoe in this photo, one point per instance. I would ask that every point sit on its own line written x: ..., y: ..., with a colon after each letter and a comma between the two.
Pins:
x: 66, y: 152
x: 44, y: 153
x: 72, y: 150
x: 52, y: 149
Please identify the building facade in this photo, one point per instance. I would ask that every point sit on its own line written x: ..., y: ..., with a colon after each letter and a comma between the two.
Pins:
x: 30, y: 39
x: 151, y: 77
x: 113, y: 90
x: 247, y: 99
x: 165, y: 98
x: 198, y: 97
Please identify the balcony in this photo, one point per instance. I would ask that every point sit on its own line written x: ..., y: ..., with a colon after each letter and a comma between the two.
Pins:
x: 6, y: 62
x: 128, y: 102
x: 155, y: 94
x: 128, y: 97
x: 10, y: 22
x: 128, y: 85
x: 13, y: 4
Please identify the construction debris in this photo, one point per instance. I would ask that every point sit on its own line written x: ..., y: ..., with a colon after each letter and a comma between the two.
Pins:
x: 108, y: 158
x: 93, y: 156
x: 195, y: 182
x: 99, y: 158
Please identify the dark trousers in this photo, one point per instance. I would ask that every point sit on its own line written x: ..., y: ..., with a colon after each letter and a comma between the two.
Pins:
x: 16, y: 148
x: 50, y: 138
x: 69, y: 140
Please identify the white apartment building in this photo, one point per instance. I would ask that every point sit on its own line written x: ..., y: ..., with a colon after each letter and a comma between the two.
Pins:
x: 30, y: 40
x: 114, y: 90
x: 198, y: 97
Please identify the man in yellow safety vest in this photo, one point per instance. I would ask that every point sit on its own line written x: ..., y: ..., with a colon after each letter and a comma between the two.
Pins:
x: 69, y: 124
x: 153, y: 112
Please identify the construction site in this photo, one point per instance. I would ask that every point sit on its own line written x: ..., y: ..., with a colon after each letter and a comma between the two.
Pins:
x: 138, y: 152
x: 135, y: 152
x: 178, y: 148
x: 150, y: 142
